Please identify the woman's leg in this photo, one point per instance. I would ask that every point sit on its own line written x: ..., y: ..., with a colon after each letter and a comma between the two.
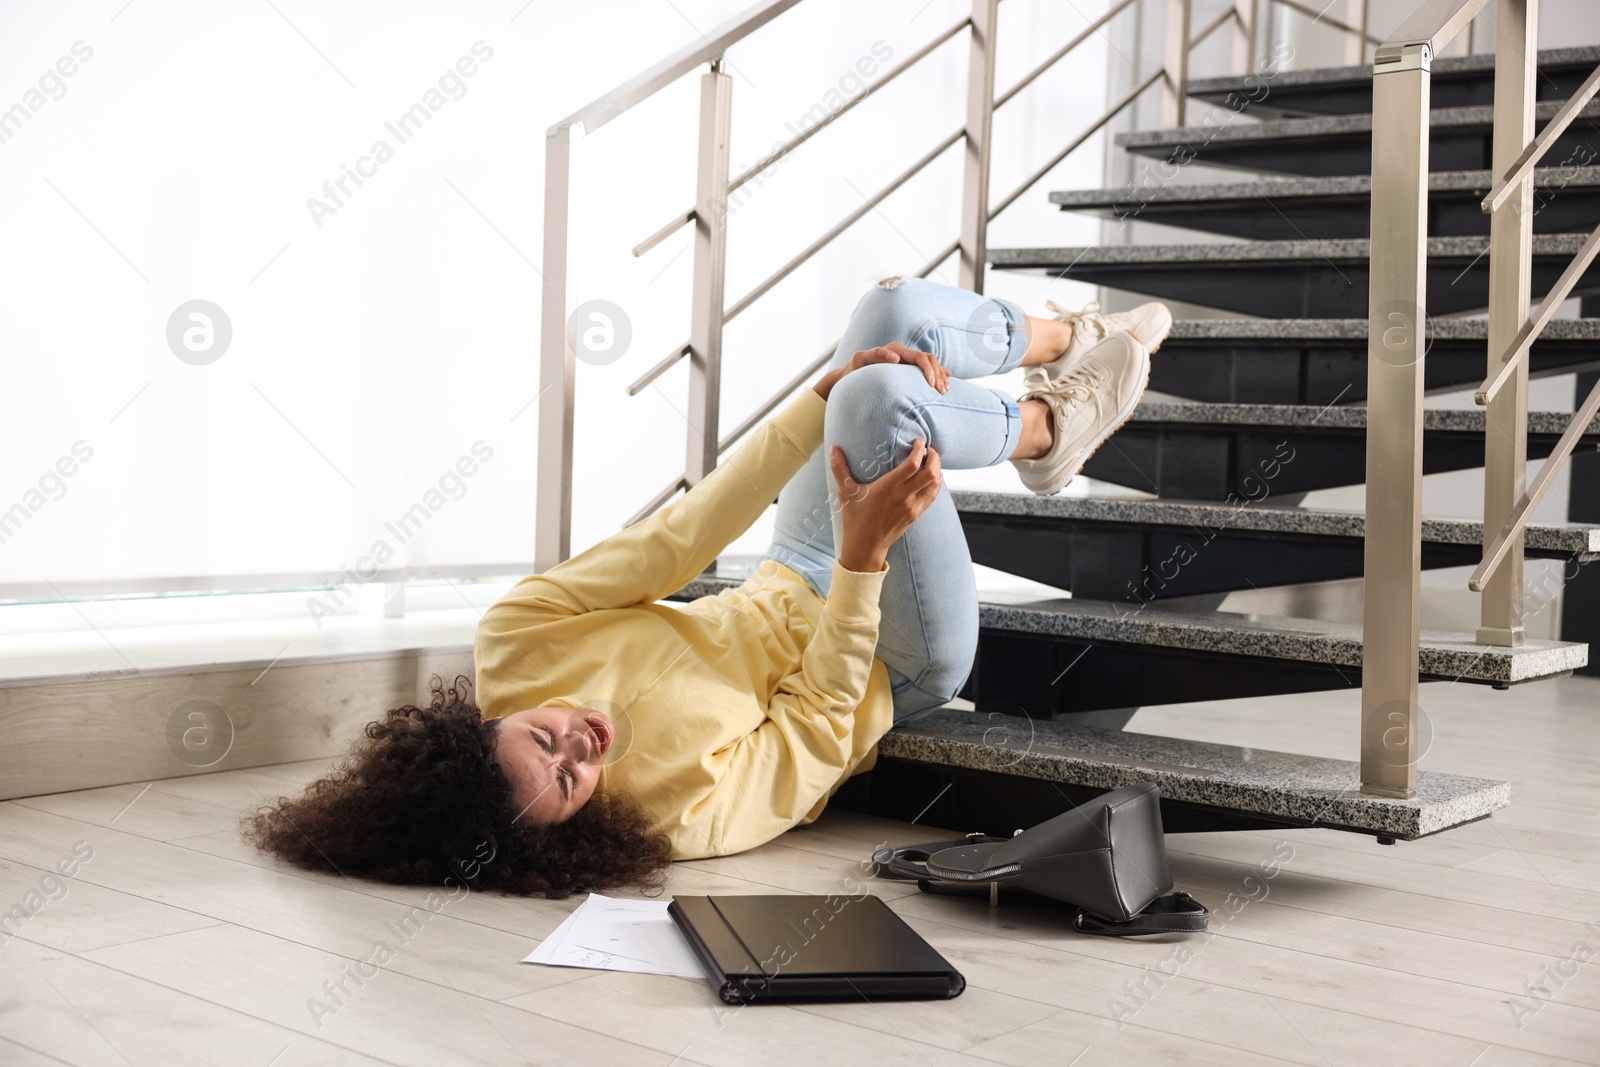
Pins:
x: 973, y: 336
x: 928, y: 633
x: 929, y: 628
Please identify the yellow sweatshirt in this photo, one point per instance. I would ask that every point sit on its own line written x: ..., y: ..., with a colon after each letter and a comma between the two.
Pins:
x: 737, y: 715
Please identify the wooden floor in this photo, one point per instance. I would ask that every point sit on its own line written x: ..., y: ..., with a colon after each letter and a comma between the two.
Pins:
x: 175, y: 944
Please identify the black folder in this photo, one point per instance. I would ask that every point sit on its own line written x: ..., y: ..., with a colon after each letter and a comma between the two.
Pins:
x: 779, y: 947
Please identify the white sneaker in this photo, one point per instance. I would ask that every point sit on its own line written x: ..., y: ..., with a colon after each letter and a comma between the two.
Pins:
x: 1088, y: 404
x: 1149, y: 324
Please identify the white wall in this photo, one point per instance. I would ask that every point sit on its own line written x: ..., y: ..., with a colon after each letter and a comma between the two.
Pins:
x: 373, y: 351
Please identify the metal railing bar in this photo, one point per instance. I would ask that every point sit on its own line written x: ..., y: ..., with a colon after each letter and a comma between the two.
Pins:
x: 1091, y: 29
x: 949, y: 250
x: 666, y: 364
x: 1547, y: 310
x: 1317, y: 16
x: 647, y: 83
x: 1064, y: 153
x: 785, y: 149
x: 1216, y: 24
x: 844, y: 224
x: 921, y: 54
x: 777, y: 398
x: 659, y: 369
x: 666, y: 231
x: 1496, y: 553
x: 1536, y: 149
x: 815, y: 365
x: 657, y: 500
x: 1435, y: 23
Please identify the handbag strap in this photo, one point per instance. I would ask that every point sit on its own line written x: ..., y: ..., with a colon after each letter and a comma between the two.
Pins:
x: 909, y: 863
x: 1172, y: 914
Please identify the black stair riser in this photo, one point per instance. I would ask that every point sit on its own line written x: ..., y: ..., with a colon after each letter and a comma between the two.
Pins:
x: 1314, y: 372
x: 992, y: 802
x: 1119, y: 562
x: 1305, y: 288
x: 1556, y: 81
x: 1044, y: 675
x: 1451, y: 213
x: 1198, y: 462
x: 1327, y: 154
x: 1580, y: 598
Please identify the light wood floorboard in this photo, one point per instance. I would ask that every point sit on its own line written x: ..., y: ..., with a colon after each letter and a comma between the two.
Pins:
x: 177, y: 943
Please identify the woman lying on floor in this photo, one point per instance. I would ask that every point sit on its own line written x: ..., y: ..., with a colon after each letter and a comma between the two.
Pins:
x: 616, y: 734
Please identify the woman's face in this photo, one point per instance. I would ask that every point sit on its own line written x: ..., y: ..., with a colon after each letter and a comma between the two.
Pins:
x: 552, y: 757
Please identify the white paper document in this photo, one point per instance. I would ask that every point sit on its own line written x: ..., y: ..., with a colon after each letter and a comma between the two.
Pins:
x: 612, y: 934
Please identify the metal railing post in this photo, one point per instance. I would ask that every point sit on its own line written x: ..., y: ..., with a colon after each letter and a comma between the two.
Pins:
x: 1355, y: 44
x: 1510, y: 273
x: 1244, y: 55
x: 710, y: 267
x: 1260, y: 22
x: 980, y: 123
x: 1397, y: 320
x: 552, y: 524
x: 1175, y: 63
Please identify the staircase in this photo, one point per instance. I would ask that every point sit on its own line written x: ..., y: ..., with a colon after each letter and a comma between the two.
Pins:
x: 1248, y: 411
x: 1252, y: 414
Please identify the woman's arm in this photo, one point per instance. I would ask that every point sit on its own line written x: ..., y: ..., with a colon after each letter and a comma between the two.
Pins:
x: 772, y: 777
x: 659, y: 555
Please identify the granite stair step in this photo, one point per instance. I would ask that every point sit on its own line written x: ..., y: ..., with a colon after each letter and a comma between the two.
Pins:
x: 1065, y: 656
x: 1461, y: 138
x: 996, y: 773
x: 1323, y: 361
x: 1109, y: 547
x: 1566, y: 200
x: 1291, y: 279
x: 1238, y: 452
x: 1458, y: 81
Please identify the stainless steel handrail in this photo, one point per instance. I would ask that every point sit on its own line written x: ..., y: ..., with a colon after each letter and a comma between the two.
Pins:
x: 1520, y: 513
x: 709, y: 219
x: 1396, y: 349
x: 1504, y: 452
x: 797, y: 261
x: 1435, y: 23
x: 855, y: 216
x: 766, y: 407
x: 1038, y: 175
x: 1533, y: 327
x: 1217, y: 23
x: 1061, y: 53
x: 842, y: 225
x: 1323, y: 17
x: 557, y: 363
x: 652, y: 80
x: 1506, y: 184
x: 686, y: 217
x: 680, y: 351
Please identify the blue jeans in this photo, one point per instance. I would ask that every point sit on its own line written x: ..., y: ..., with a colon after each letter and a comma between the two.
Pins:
x: 928, y: 635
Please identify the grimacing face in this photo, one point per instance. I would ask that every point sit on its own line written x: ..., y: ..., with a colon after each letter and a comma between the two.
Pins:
x: 552, y: 758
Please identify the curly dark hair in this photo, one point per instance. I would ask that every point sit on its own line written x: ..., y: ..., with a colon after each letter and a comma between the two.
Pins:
x: 420, y: 799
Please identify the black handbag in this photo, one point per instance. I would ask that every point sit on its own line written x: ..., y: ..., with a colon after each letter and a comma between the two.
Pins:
x: 1106, y: 857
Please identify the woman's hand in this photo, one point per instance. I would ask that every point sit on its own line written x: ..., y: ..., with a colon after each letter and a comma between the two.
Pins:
x: 894, y: 352
x: 876, y: 514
